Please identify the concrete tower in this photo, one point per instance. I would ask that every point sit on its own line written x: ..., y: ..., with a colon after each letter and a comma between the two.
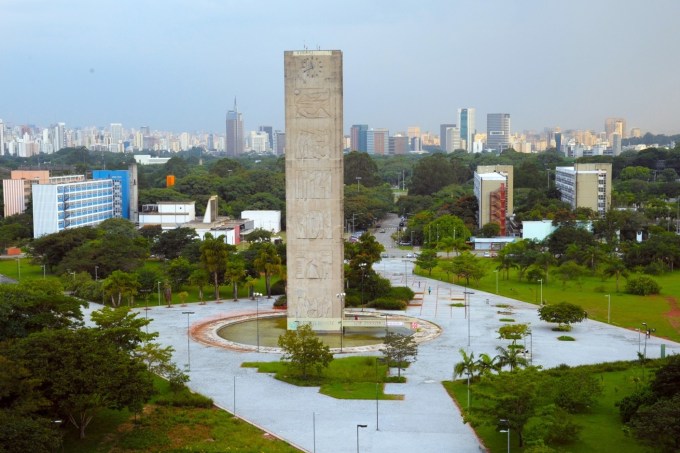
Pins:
x: 314, y: 187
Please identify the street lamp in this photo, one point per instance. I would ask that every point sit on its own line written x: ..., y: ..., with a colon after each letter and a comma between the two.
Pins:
x: 257, y: 317
x: 363, y: 271
x: 359, y: 426
x: 639, y: 331
x: 44, y: 268
x: 188, y: 313
x: 341, y: 296
x: 609, y: 308
x: 96, y: 274
x: 159, y: 294
x: 468, y: 387
x: 19, y: 268
x: 540, y: 280
x: 507, y: 430
x: 648, y: 334
x: 358, y: 180
x: 466, y: 297
x: 496, y: 272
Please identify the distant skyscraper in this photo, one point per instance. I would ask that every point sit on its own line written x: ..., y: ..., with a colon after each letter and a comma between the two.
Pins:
x: 453, y: 141
x: 2, y: 138
x: 270, y: 132
x: 279, y: 143
x: 558, y: 141
x: 358, y: 137
x: 59, y: 137
x: 442, y: 136
x: 615, y: 126
x: 498, y: 131
x: 116, y: 138
x: 377, y: 141
x: 234, y: 132
x: 468, y: 127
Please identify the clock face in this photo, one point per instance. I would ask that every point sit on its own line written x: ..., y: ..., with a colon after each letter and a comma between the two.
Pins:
x: 312, y: 67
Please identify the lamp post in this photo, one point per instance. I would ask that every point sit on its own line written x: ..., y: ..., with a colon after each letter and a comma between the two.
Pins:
x: 540, y: 280
x: 363, y: 271
x: 188, y: 313
x: 466, y: 297
x: 257, y: 317
x: 359, y: 426
x: 159, y: 294
x: 468, y: 388
x: 96, y: 274
x: 507, y: 430
x: 358, y: 178
x: 609, y: 308
x: 639, y: 331
x: 496, y: 272
x: 405, y: 272
x: 648, y: 334
x: 44, y: 268
x: 531, y: 348
x: 19, y: 268
x: 341, y: 296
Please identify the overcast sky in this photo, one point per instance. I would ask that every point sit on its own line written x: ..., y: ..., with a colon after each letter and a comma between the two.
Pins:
x: 178, y: 64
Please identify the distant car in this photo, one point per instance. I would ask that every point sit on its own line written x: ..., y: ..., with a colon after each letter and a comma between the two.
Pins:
x: 410, y: 255
x: 487, y: 254
x: 378, y: 226
x: 384, y: 255
x: 383, y: 230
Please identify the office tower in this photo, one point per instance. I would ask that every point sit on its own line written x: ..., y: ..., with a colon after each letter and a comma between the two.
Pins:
x: 258, y: 141
x: 59, y: 137
x: 468, y: 127
x: 558, y: 141
x: 235, y: 137
x: 586, y: 186
x: 280, y: 143
x: 377, y: 141
x: 398, y: 145
x: 636, y: 132
x: 453, y: 141
x: 616, y: 144
x: 2, y: 138
x: 211, y: 142
x: 358, y: 137
x: 493, y: 188
x: 443, y: 145
x: 270, y: 134
x: 116, y: 138
x: 614, y: 125
x: 498, y: 131
x: 314, y: 188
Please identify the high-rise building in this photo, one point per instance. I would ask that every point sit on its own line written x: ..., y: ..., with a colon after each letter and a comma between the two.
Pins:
x: 398, y: 145
x: 453, y: 141
x: 616, y: 144
x: 16, y: 192
x: 116, y: 138
x: 498, y: 131
x: 494, y: 192
x: 468, y: 127
x: 358, y: 139
x: 377, y: 141
x: 235, y: 142
x: 443, y: 145
x: 279, y: 143
x: 586, y: 186
x: 270, y: 135
x: 258, y: 141
x: 2, y: 138
x: 615, y: 125
x: 59, y: 137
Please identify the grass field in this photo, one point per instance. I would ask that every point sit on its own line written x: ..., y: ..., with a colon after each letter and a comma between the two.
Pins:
x: 347, y: 378
x: 661, y: 312
x: 170, y: 429
x: 602, y: 430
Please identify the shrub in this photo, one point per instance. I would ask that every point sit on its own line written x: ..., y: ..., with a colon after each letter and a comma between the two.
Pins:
x: 563, y: 328
x: 184, y: 398
x: 654, y: 268
x: 278, y: 288
x: 566, y: 338
x: 281, y: 301
x: 352, y: 300
x: 395, y: 379
x: 642, y: 286
x: 387, y: 303
x: 401, y: 293
x: 507, y: 320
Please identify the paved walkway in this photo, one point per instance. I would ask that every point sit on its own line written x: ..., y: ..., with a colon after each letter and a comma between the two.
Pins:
x: 426, y: 420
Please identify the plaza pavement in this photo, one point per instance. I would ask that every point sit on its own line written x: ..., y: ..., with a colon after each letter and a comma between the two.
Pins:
x: 426, y: 420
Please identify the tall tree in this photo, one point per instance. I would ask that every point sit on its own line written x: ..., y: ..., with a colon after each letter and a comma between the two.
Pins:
x: 268, y: 262
x: 214, y: 253
x: 399, y: 349
x: 118, y: 285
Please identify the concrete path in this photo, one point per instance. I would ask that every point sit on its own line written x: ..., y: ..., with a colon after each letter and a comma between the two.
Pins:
x: 426, y: 420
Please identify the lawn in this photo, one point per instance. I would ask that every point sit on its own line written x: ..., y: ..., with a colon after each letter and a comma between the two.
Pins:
x: 347, y: 378
x: 661, y: 312
x: 162, y: 428
x: 602, y: 430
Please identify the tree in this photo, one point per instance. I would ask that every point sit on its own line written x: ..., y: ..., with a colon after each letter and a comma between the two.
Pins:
x: 305, y: 351
x: 513, y: 331
x: 118, y: 285
x: 431, y: 174
x: 569, y: 271
x: 200, y: 278
x: 511, y: 357
x: 121, y: 327
x: 268, y: 262
x: 659, y: 424
x: 490, y: 230
x: 82, y: 374
x: 235, y: 273
x: 214, y: 253
x: 399, y: 349
x: 171, y: 242
x: 467, y: 266
x: 467, y: 366
x: 642, y: 285
x: 562, y: 313
x: 615, y: 267
x: 179, y: 270
x: 486, y: 364
x: 427, y: 260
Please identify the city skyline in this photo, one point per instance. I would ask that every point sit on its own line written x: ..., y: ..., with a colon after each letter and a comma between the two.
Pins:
x: 567, y: 64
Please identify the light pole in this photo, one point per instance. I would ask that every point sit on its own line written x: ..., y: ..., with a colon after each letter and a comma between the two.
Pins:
x: 466, y: 297
x: 19, y: 268
x: 188, y: 313
x: 531, y: 348
x: 44, y: 268
x: 468, y: 388
x: 609, y: 308
x: 507, y: 430
x: 159, y: 294
x: 540, y: 280
x: 96, y: 274
x: 341, y: 296
x: 639, y: 331
x: 257, y: 317
x: 496, y: 272
x: 358, y: 178
x: 359, y: 426
x: 648, y: 334
x: 363, y: 271
x: 406, y: 272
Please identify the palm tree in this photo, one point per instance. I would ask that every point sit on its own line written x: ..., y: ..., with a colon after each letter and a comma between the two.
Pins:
x: 615, y: 267
x: 486, y: 364
x: 466, y: 366
x: 199, y: 277
x: 119, y: 284
x: 235, y: 273
x: 510, y: 357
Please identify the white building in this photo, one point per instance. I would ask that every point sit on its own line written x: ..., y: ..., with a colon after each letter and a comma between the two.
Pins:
x: 168, y: 214
x: 265, y: 220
